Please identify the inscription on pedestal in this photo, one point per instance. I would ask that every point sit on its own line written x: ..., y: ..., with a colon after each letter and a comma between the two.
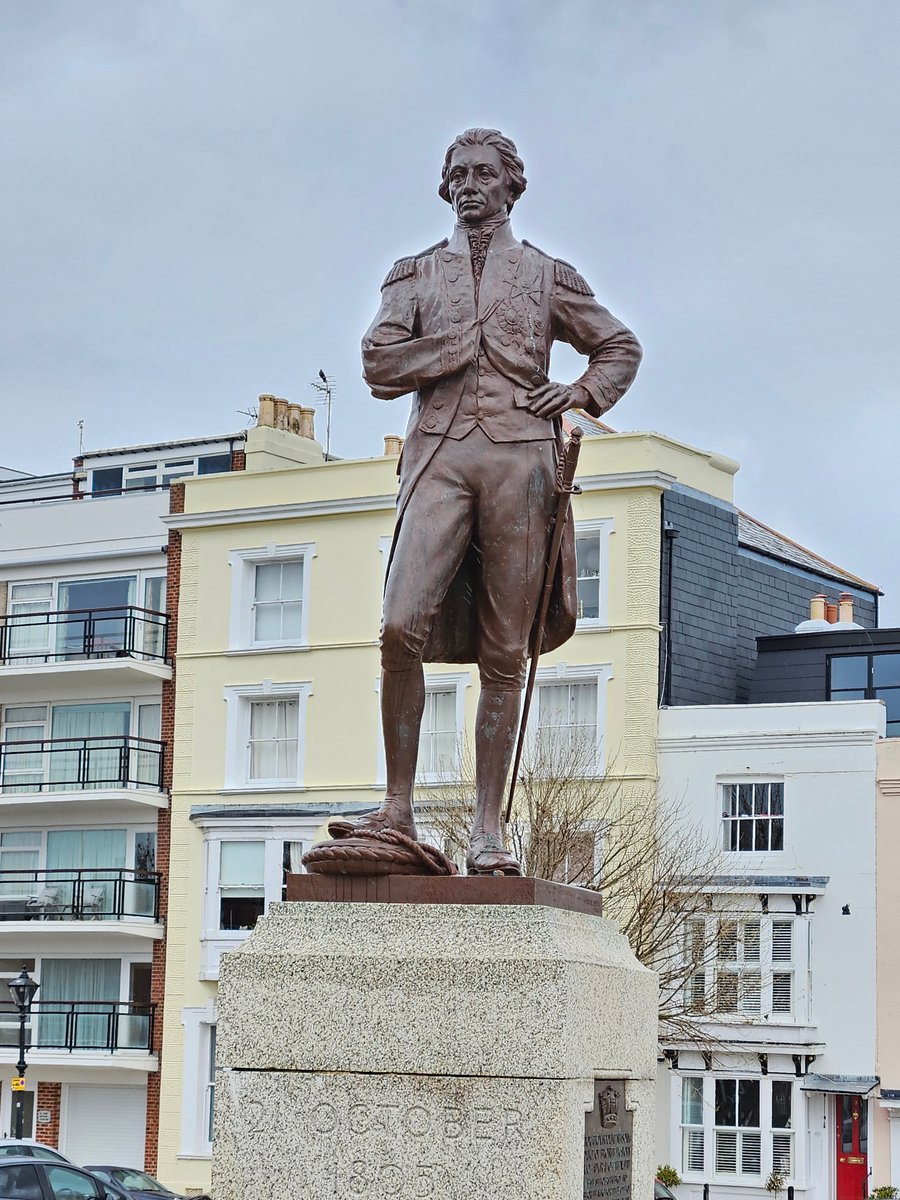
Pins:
x: 607, y: 1143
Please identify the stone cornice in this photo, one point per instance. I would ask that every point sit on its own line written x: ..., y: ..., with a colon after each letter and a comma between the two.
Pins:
x: 774, y: 741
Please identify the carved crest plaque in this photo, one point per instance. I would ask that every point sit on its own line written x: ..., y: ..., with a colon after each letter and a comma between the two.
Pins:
x: 607, y: 1143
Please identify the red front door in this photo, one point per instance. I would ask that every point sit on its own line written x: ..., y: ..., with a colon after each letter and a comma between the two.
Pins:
x: 851, y: 1119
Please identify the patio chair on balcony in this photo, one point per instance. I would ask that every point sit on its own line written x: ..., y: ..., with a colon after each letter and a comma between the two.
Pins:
x: 92, y: 902
x: 47, y: 903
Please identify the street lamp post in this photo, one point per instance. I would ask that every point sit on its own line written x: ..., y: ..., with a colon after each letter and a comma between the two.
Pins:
x: 22, y: 990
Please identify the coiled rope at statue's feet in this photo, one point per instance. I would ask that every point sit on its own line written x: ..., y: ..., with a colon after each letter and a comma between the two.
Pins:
x: 378, y: 852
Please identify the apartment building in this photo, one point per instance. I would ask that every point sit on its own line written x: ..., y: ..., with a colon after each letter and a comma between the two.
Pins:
x: 85, y: 671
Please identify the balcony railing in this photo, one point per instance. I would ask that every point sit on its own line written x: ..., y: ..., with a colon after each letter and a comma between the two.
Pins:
x: 86, y: 894
x: 77, y: 634
x: 81, y: 764
x: 72, y: 1025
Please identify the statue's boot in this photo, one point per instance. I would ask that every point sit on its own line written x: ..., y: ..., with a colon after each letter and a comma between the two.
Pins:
x: 488, y: 856
x: 380, y: 821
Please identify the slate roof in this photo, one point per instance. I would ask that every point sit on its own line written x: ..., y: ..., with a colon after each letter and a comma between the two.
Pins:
x: 755, y: 536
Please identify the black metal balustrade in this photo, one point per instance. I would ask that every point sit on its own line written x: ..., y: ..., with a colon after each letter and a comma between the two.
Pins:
x: 81, y: 894
x: 123, y: 631
x: 109, y: 1025
x: 76, y: 764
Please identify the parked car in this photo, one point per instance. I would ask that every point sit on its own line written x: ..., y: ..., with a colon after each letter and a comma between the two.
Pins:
x: 28, y: 1178
x: 661, y: 1192
x: 28, y: 1147
x: 135, y: 1184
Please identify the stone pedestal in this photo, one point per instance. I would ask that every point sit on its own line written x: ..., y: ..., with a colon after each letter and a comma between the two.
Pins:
x: 452, y: 1050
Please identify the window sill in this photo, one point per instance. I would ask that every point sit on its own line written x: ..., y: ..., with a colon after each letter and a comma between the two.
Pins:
x: 271, y: 648
x: 255, y: 789
x: 592, y: 625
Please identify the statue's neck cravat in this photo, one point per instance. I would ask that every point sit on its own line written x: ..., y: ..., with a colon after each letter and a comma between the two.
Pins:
x: 479, y: 240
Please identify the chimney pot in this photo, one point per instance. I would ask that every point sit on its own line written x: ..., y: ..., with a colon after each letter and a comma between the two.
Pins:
x: 266, y: 413
x: 831, y: 613
x: 307, y: 423
x: 845, y: 607
x: 392, y: 443
x: 817, y: 607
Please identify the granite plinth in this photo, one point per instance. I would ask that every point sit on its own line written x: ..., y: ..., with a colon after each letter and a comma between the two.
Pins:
x: 419, y: 1049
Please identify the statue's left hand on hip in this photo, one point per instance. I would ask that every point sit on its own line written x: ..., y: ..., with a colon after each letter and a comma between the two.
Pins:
x: 552, y: 399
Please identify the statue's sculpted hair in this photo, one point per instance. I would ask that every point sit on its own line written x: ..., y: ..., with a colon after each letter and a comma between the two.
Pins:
x: 505, y: 147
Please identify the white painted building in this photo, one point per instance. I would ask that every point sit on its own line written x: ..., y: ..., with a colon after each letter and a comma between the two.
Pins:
x: 781, y: 1076
x: 83, y: 666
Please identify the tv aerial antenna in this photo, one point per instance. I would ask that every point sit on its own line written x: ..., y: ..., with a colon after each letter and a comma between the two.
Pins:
x: 324, y: 385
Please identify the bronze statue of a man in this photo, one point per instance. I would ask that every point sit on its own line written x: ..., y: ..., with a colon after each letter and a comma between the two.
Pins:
x: 467, y: 326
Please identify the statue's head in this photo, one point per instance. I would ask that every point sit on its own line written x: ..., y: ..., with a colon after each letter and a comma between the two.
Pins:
x: 482, y: 174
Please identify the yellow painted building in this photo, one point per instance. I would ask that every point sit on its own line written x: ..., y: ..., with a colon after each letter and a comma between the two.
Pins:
x: 276, y: 721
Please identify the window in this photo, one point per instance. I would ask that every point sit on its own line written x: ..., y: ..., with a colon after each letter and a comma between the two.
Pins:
x: 242, y: 888
x: 723, y: 1120
x: 265, y: 735
x: 868, y: 677
x: 157, y: 472
x: 438, y: 741
x: 278, y: 602
x: 567, y: 725
x: 274, y: 732
x: 246, y: 865
x: 270, y: 597
x: 210, y: 1098
x: 738, y: 1140
x: 740, y: 965
x: 738, y: 981
x: 591, y: 563
x: 753, y: 816
x: 587, y: 559
x: 567, y: 720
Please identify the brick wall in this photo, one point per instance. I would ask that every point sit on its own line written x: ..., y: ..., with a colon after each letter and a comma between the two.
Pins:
x: 49, y: 1097
x: 163, y: 827
x: 238, y: 460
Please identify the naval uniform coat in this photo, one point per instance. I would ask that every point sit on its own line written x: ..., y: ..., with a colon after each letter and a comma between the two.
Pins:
x: 427, y: 337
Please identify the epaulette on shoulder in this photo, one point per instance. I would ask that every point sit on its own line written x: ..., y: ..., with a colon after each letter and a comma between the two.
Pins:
x: 566, y: 276
x: 403, y: 268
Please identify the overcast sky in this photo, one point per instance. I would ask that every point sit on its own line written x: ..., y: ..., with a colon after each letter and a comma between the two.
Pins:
x: 199, y: 200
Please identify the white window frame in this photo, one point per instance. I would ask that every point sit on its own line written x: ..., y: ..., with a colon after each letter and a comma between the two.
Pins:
x: 601, y: 528
x: 766, y: 1131
x: 274, y: 832
x: 599, y: 673
x: 237, y: 734
x: 198, y: 1024
x: 243, y: 580
x: 725, y: 820
x: 439, y: 683
x: 767, y: 969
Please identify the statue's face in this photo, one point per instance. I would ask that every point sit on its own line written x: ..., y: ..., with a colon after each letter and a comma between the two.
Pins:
x: 479, y: 185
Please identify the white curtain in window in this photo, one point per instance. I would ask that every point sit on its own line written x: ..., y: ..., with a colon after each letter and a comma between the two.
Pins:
x: 274, y: 739
x: 97, y: 852
x: 23, y: 770
x: 94, y: 982
x: 144, y: 763
x: 19, y: 852
x: 109, y: 722
x: 29, y: 633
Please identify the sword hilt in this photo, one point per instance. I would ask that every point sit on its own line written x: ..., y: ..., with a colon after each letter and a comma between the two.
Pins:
x: 568, y: 464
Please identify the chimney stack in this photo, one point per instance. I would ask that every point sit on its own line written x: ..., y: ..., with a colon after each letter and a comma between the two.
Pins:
x: 278, y: 413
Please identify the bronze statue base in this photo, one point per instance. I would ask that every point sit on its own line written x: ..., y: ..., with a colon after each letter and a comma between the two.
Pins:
x: 442, y: 889
x: 377, y: 852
